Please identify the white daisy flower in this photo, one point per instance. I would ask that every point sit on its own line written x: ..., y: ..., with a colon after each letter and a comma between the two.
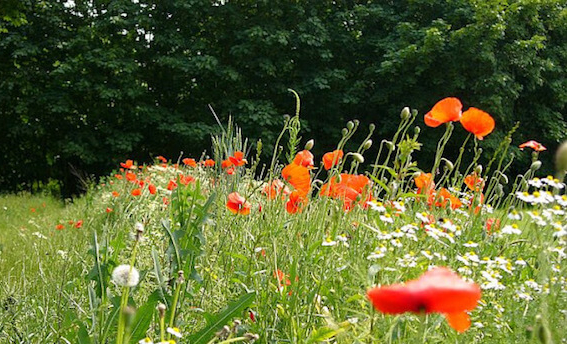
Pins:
x: 387, y: 218
x: 328, y: 242
x: 174, y: 331
x: 511, y: 229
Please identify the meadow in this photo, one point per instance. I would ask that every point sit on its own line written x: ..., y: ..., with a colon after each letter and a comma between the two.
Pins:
x: 304, y: 249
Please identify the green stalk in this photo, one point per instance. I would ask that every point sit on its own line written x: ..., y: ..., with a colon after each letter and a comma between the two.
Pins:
x: 174, y: 305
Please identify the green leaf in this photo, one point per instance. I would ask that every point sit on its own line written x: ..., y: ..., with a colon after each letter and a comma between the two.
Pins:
x: 323, y: 334
x: 219, y: 320
x: 143, y: 317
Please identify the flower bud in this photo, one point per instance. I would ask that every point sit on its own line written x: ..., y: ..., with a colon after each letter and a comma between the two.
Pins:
x: 561, y: 159
x: 309, y: 144
x: 367, y: 144
x: 503, y: 178
x: 371, y: 127
x: 405, y: 113
x: 478, y: 169
x: 358, y: 157
x: 416, y: 130
x: 161, y: 309
x: 535, y: 165
x: 390, y: 145
x: 448, y: 164
x: 286, y: 118
x: 344, y: 132
x: 350, y: 125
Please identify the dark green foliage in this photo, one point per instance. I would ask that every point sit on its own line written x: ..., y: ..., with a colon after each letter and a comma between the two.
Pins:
x: 81, y: 88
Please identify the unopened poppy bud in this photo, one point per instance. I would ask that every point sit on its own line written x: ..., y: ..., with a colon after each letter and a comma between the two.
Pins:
x: 286, y: 118
x: 416, y: 130
x: 344, y: 132
x: 309, y: 144
x: 405, y: 114
x: 416, y: 175
x: 390, y: 145
x: 478, y: 169
x: 503, y: 178
x: 350, y: 125
x: 367, y: 144
x: 358, y: 157
x: 535, y: 165
x: 161, y: 309
x: 371, y: 127
x: 448, y: 164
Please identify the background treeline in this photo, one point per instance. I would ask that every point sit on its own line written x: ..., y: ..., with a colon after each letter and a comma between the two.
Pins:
x: 89, y: 83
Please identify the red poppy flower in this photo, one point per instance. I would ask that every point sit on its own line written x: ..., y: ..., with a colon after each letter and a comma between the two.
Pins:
x: 128, y: 164
x: 209, y: 163
x: 444, y: 196
x: 275, y: 188
x: 298, y: 176
x: 536, y: 146
x: 477, y: 122
x: 437, y: 291
x: 189, y: 162
x: 172, y: 185
x: 230, y: 171
x: 115, y: 194
x: 445, y: 110
x: 492, y: 225
x: 226, y: 163
x: 118, y: 176
x: 136, y: 192
x: 79, y: 224
x: 131, y: 176
x: 350, y: 188
x: 109, y: 210
x: 332, y: 158
x: 185, y: 180
x: 474, y: 182
x: 304, y: 158
x: 162, y: 159
x: 59, y: 227
x: 295, y: 203
x: 282, y: 277
x: 238, y: 204
x: 152, y: 189
x: 238, y: 159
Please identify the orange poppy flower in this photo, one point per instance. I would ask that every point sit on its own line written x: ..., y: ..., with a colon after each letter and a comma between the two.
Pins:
x: 109, y: 210
x: 304, y: 158
x: 115, y: 194
x: 238, y: 204
x: 298, y: 176
x: 437, y: 291
x: 209, y: 163
x: 477, y: 122
x: 352, y: 189
x: 282, y: 277
x: 152, y: 189
x: 474, y: 182
x: 172, y: 185
x: 226, y: 163
x: 445, y: 110
x: 118, y: 176
x: 492, y: 225
x: 332, y: 158
x: 275, y: 188
x: 190, y: 162
x: 444, y: 196
x: 79, y: 224
x: 238, y: 159
x: 136, y: 192
x: 295, y: 203
x: 536, y: 146
x: 128, y: 164
x: 162, y: 159
x: 59, y: 227
x: 185, y: 180
x: 130, y: 176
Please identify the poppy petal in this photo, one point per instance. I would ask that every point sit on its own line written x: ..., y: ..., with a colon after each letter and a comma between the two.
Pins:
x: 460, y: 321
x: 477, y: 122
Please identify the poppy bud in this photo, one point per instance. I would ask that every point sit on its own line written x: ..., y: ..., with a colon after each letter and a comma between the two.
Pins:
x: 356, y: 122
x: 344, y: 132
x: 416, y: 130
x: 390, y: 145
x: 367, y: 144
x: 503, y: 178
x: 286, y: 118
x: 561, y: 160
x: 478, y: 169
x: 309, y: 144
x: 448, y: 164
x: 161, y: 309
x: 535, y: 165
x: 350, y: 125
x: 358, y: 157
x: 405, y: 113
x: 371, y: 127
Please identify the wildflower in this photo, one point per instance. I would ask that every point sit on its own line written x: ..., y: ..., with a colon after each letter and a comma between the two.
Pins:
x: 474, y: 182
x: 238, y: 159
x: 514, y: 215
x: 238, y: 204
x: 189, y: 162
x: 146, y: 340
x: 295, y: 203
x: 332, y: 158
x: 152, y: 189
x: 172, y: 185
x: 275, y: 188
x: 350, y: 188
x: 477, y: 122
x: 378, y: 253
x: 437, y: 291
x: 209, y: 163
x: 125, y: 276
x: 445, y: 110
x: 136, y: 192
x: 60, y: 226
x: 304, y: 158
x: 131, y: 176
x: 492, y: 225
x: 174, y: 331
x: 226, y: 164
x: 298, y: 176
x: 162, y: 159
x: 79, y: 224
x: 387, y: 218
x: 115, y: 194
x: 328, y: 242
x: 129, y: 164
x: 186, y: 179
x: 536, y: 146
x: 282, y: 277
x: 109, y: 210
